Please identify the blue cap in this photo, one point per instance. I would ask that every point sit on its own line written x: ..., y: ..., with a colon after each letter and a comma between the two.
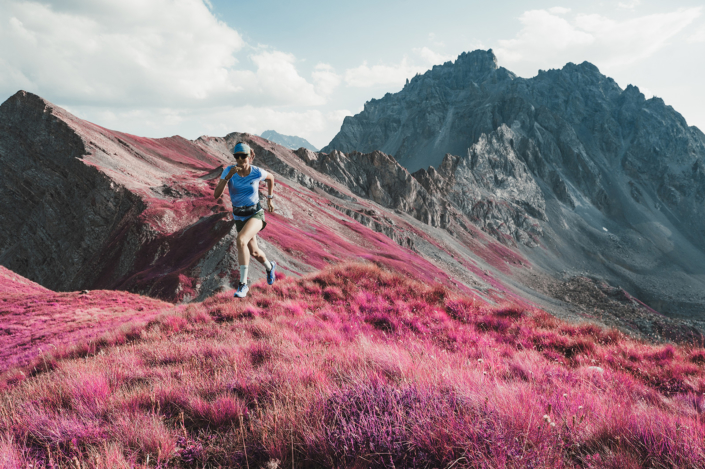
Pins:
x: 241, y: 148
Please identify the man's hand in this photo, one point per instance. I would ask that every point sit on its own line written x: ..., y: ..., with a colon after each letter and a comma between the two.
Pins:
x: 271, y: 206
x: 231, y: 173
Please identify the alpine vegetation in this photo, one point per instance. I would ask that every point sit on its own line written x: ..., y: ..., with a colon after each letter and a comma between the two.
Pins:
x: 357, y: 366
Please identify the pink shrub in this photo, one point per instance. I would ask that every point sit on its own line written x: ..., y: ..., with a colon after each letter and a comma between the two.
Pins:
x: 148, y: 435
x: 698, y: 357
x: 89, y: 390
x: 260, y: 353
x: 170, y: 324
x: 293, y: 308
x: 461, y: 309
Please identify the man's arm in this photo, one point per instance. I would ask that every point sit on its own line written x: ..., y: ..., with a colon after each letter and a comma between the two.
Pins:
x: 221, y: 184
x: 219, y: 188
x: 270, y: 188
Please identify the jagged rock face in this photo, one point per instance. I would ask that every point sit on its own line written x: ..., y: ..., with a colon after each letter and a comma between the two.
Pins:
x: 493, y: 187
x: 610, y: 183
x: 56, y: 213
x: 379, y: 177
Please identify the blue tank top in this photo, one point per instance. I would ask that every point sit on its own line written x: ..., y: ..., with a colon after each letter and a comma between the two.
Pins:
x: 244, y: 191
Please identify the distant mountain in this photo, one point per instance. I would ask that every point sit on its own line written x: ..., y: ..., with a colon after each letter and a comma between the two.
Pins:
x: 608, y: 183
x: 289, y: 141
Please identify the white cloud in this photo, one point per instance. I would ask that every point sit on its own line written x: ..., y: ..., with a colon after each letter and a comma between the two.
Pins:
x: 280, y: 83
x: 191, y: 123
x: 257, y: 120
x: 543, y: 33
x: 547, y: 40
x: 431, y: 57
x: 630, y: 5
x: 698, y: 37
x: 325, y: 78
x: 338, y: 115
x: 115, y: 50
x: 365, y: 76
x: 432, y: 40
x: 143, y: 53
x: 559, y: 10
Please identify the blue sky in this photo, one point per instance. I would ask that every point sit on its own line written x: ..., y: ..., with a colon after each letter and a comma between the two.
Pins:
x: 193, y: 67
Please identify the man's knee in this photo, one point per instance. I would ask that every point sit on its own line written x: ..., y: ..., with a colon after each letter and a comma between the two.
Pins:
x: 241, y: 242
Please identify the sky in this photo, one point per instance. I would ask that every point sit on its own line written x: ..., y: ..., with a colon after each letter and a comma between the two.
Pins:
x: 159, y: 68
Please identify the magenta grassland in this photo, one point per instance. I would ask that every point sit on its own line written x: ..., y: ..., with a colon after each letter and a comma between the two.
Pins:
x: 357, y: 367
x: 35, y: 320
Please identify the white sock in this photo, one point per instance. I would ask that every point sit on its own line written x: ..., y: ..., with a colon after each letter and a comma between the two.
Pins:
x: 243, y: 274
x: 268, y: 265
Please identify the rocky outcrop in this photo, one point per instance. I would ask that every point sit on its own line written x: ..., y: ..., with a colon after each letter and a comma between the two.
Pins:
x: 378, y: 177
x: 493, y: 187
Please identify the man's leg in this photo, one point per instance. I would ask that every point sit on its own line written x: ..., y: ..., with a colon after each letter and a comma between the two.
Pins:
x: 247, y: 234
x: 258, y: 254
x: 255, y: 250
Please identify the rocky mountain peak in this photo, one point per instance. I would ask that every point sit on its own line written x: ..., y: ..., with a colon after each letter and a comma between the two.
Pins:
x: 25, y: 99
x: 565, y: 159
x: 469, y: 67
x: 479, y: 61
x: 632, y: 92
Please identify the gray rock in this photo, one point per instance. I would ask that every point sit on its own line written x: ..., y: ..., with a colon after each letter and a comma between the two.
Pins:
x: 57, y: 214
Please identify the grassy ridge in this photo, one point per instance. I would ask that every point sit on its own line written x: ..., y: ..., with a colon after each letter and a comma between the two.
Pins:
x: 358, y: 367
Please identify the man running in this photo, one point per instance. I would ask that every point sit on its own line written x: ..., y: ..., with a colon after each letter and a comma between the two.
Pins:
x: 243, y: 185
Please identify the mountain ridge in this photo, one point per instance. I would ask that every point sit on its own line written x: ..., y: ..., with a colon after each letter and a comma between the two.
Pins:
x: 172, y: 241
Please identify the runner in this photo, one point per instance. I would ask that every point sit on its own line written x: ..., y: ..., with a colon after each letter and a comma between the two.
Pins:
x: 243, y: 185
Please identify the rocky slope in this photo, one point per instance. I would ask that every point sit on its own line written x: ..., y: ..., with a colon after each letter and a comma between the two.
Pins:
x: 83, y: 207
x: 609, y: 184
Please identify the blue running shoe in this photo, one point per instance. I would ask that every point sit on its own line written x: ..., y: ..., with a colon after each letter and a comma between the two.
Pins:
x: 242, y: 290
x: 270, y: 275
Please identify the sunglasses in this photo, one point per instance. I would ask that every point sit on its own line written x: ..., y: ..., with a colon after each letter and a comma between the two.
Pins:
x: 241, y: 155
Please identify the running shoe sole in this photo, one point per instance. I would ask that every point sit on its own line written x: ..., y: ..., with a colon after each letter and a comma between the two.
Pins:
x: 241, y: 291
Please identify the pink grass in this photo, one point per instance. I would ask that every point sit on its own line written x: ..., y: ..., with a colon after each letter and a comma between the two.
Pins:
x: 38, y: 321
x: 359, y: 367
